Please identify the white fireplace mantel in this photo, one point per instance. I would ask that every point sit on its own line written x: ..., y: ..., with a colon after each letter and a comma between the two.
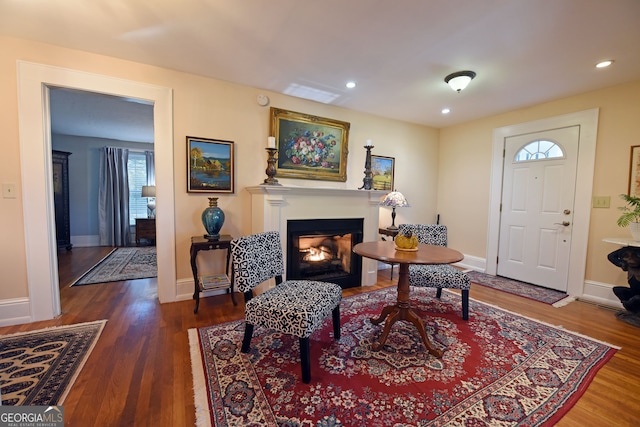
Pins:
x: 272, y: 206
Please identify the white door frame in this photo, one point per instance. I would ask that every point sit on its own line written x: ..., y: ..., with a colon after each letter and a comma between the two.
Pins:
x: 588, y: 122
x: 35, y: 154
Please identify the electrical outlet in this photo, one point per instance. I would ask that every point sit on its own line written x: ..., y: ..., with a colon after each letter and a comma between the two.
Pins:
x: 8, y: 191
x: 601, y: 201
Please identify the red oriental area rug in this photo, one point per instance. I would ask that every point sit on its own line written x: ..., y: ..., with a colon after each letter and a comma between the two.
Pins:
x: 498, y: 368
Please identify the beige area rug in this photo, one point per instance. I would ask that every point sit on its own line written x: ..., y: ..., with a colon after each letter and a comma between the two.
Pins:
x: 40, y: 367
x: 122, y: 264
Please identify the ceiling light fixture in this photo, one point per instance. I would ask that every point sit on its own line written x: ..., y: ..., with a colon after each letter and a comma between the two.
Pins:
x: 351, y: 85
x: 446, y: 111
x: 459, y: 80
x: 604, y: 64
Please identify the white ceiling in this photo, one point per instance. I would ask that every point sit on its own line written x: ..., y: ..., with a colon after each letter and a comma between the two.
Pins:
x: 79, y: 113
x: 524, y: 52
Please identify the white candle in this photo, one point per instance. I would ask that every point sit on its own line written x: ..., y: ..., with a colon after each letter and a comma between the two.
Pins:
x: 368, y: 143
x: 271, y: 142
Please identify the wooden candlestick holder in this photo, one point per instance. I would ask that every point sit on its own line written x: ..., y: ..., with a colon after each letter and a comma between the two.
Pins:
x: 367, y: 181
x: 271, y: 167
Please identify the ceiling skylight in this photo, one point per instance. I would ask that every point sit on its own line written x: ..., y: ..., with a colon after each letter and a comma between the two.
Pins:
x: 313, y: 94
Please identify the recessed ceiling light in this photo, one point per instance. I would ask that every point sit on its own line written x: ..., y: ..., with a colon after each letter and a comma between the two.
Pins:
x: 446, y: 111
x: 604, y: 64
x: 351, y: 85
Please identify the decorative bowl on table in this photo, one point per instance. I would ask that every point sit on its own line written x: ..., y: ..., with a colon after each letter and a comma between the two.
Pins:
x: 406, y: 242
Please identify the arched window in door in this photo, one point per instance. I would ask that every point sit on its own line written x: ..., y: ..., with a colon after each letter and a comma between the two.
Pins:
x: 539, y: 150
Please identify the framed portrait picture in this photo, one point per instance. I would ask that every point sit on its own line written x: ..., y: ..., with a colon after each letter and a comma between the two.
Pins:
x: 382, y: 169
x: 210, y: 165
x: 634, y: 171
x: 310, y: 147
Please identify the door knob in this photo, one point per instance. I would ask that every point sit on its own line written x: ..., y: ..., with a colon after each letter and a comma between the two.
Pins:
x: 564, y: 223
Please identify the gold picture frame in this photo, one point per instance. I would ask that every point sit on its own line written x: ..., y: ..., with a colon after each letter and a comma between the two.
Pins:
x: 310, y: 147
x: 634, y: 171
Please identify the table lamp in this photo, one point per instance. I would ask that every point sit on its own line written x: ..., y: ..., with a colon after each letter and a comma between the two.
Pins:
x: 149, y: 191
x: 395, y: 199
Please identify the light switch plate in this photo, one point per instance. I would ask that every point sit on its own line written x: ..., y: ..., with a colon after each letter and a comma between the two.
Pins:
x: 9, y: 191
x: 601, y: 201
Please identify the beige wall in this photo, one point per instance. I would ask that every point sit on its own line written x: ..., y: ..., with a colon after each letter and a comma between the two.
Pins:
x: 208, y: 108
x: 447, y: 168
x: 465, y: 165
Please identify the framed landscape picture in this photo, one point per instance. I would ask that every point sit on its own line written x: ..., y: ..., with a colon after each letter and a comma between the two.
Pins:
x: 310, y: 147
x: 210, y: 165
x: 382, y: 169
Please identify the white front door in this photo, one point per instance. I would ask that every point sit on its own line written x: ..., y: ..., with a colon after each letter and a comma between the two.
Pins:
x: 538, y: 194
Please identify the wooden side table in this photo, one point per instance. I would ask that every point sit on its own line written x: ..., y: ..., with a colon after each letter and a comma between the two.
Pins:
x: 145, y: 229
x: 201, y: 243
x: 392, y: 234
x: 401, y: 310
x: 387, y: 232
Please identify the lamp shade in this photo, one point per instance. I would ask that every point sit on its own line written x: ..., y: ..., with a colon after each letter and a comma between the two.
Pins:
x: 459, y: 80
x: 394, y: 199
x: 148, y: 191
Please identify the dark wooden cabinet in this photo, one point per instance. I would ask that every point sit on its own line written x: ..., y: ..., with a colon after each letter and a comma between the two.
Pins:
x: 145, y: 229
x: 60, y: 163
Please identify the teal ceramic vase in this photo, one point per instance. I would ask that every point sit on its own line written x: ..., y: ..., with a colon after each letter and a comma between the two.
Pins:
x: 212, y: 219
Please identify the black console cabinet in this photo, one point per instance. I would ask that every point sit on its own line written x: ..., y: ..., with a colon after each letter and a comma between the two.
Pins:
x: 60, y: 162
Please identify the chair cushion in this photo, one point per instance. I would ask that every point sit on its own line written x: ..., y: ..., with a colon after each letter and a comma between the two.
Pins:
x: 438, y: 276
x: 255, y: 259
x: 296, y: 307
x: 430, y: 234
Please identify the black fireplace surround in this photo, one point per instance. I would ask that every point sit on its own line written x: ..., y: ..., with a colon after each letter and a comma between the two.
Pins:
x: 321, y: 249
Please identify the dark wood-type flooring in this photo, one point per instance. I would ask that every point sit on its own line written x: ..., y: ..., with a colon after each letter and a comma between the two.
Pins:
x: 139, y: 373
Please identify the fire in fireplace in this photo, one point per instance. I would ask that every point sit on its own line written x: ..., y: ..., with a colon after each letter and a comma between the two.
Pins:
x: 321, y: 249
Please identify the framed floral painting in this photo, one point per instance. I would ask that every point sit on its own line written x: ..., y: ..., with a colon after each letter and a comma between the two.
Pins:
x: 382, y: 169
x: 210, y: 165
x: 310, y: 147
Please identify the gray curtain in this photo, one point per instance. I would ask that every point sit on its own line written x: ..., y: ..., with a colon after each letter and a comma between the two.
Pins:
x: 113, y: 197
x: 151, y: 168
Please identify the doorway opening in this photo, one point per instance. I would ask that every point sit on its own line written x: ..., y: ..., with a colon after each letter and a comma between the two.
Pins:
x: 35, y: 147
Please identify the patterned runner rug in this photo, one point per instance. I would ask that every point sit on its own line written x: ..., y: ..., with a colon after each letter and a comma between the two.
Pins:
x: 122, y: 264
x: 515, y: 287
x: 39, y: 367
x: 498, y: 368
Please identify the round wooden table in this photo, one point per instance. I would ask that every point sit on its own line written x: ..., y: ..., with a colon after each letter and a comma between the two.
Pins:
x: 401, y: 310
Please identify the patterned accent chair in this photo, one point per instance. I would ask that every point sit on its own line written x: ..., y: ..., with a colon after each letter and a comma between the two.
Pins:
x: 295, y: 307
x: 440, y: 275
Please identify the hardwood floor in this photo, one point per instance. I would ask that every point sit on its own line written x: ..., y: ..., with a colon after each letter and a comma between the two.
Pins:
x: 139, y: 373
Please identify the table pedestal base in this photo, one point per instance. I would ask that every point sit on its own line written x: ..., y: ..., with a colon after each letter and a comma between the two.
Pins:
x: 402, y: 311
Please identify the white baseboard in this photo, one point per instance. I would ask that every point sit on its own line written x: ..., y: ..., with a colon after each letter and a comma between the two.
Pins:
x: 600, y: 293
x: 594, y: 292
x: 472, y: 263
x: 14, y: 311
x: 85, y: 241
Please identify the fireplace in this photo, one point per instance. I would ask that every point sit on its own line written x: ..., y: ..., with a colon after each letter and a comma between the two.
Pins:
x: 272, y: 206
x: 321, y: 249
